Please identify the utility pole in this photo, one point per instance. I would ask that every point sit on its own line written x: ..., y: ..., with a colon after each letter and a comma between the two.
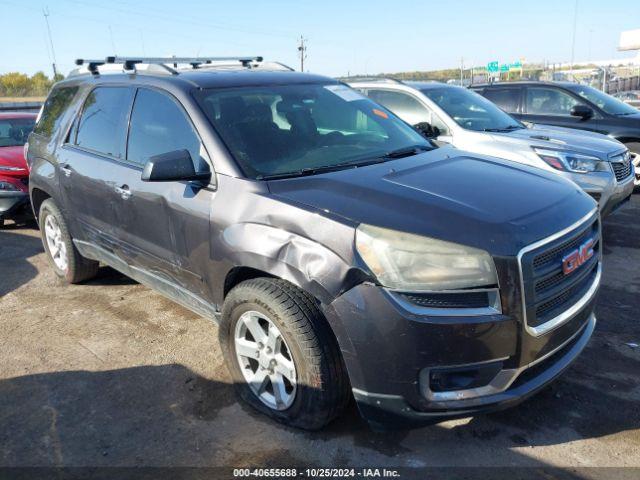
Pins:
x: 573, y: 37
x: 302, y: 52
x: 45, y: 12
x: 461, y: 69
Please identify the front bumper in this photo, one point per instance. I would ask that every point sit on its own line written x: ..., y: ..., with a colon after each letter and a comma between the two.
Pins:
x: 13, y: 203
x: 388, y: 347
x: 385, y: 410
x: 605, y: 190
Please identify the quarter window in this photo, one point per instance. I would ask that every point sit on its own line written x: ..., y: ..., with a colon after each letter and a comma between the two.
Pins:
x: 103, y: 124
x: 159, y: 125
x: 52, y: 112
x: 549, y: 101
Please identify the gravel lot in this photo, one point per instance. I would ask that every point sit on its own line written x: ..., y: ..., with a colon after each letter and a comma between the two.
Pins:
x: 111, y: 373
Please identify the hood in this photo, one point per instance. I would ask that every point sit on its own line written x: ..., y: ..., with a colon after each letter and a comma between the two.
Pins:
x: 580, y: 141
x: 447, y: 194
x: 13, y: 157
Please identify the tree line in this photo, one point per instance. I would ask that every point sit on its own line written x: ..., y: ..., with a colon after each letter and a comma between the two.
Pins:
x: 15, y: 84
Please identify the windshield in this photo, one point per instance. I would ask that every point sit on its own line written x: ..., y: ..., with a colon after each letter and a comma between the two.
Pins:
x: 298, y: 129
x: 470, y: 110
x: 607, y: 103
x: 14, y: 131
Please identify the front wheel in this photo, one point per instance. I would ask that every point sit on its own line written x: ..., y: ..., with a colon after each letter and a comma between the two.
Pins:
x: 63, y: 255
x: 281, y: 353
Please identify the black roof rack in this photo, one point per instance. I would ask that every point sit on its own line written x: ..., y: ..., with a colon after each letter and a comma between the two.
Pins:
x: 129, y: 63
x: 373, y: 79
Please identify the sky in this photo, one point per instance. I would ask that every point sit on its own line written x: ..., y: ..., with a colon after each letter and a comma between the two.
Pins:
x: 343, y: 37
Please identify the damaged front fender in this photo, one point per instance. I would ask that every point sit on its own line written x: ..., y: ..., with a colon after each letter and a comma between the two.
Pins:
x: 302, y: 261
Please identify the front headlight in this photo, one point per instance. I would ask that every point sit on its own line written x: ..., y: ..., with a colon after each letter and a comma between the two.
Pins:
x: 408, y: 262
x: 571, y: 161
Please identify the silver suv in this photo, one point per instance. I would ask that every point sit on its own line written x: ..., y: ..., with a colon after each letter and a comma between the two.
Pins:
x: 454, y: 115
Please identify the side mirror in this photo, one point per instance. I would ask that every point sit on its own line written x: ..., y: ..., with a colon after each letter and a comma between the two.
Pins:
x: 172, y: 167
x: 428, y: 130
x: 581, y: 111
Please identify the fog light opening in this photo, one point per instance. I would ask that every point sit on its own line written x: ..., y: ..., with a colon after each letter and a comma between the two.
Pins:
x: 463, y: 378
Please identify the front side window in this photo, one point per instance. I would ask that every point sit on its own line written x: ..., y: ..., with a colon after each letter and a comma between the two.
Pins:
x: 506, y: 98
x: 103, y: 123
x: 470, y: 110
x: 52, y: 112
x: 403, y: 105
x: 297, y: 129
x: 609, y: 104
x: 549, y: 101
x: 159, y: 125
x: 14, y: 131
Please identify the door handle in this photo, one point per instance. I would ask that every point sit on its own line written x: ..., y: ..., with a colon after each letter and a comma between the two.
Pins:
x: 123, y: 191
x: 65, y: 169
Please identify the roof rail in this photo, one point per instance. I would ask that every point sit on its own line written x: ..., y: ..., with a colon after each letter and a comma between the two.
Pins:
x: 129, y: 63
x: 373, y: 79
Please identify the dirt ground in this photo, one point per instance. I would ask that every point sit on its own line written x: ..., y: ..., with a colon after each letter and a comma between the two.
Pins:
x: 111, y: 373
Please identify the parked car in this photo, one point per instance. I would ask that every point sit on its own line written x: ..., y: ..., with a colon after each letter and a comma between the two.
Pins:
x: 14, y: 175
x: 631, y: 98
x: 458, y: 116
x: 341, y: 252
x: 571, y: 105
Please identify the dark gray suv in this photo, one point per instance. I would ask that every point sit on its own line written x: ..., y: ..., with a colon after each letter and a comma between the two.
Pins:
x: 342, y: 253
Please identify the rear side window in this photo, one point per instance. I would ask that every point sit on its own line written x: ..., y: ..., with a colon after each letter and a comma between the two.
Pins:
x: 159, y: 125
x: 403, y: 105
x: 506, y: 98
x: 549, y: 101
x: 103, y: 123
x: 57, y: 103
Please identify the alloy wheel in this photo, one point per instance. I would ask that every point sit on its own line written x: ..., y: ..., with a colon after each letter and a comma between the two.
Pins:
x: 265, y: 360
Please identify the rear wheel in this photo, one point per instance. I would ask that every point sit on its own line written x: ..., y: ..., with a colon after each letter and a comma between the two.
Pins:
x: 281, y: 353
x: 67, y: 262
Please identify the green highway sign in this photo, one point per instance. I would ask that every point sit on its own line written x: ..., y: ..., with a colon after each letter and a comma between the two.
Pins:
x: 492, y: 66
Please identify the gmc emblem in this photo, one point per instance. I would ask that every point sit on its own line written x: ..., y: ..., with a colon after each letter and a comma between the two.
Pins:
x: 577, y: 257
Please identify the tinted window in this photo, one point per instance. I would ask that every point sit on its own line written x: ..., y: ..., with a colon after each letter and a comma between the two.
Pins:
x: 159, y: 125
x: 606, y: 102
x: 14, y: 131
x: 470, y: 110
x: 506, y: 98
x: 295, y: 129
x: 403, y: 105
x: 549, y: 101
x: 103, y: 124
x: 57, y: 103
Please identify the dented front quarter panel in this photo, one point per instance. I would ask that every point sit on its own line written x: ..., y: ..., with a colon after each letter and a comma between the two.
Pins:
x: 313, y: 250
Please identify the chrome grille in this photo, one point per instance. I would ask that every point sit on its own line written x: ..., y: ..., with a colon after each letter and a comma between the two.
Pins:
x: 547, y: 290
x: 622, y: 168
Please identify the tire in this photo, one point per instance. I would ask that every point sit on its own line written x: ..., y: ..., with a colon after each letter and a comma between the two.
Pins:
x: 77, y: 268
x: 321, y: 383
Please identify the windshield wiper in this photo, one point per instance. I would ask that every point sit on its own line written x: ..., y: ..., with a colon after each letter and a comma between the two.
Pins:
x: 407, y: 151
x: 508, y: 128
x: 323, y: 169
x: 394, y: 154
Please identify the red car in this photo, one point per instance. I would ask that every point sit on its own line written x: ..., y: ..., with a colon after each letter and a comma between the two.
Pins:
x: 14, y: 173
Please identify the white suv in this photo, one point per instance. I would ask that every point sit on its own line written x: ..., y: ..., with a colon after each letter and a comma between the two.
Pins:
x: 458, y: 116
